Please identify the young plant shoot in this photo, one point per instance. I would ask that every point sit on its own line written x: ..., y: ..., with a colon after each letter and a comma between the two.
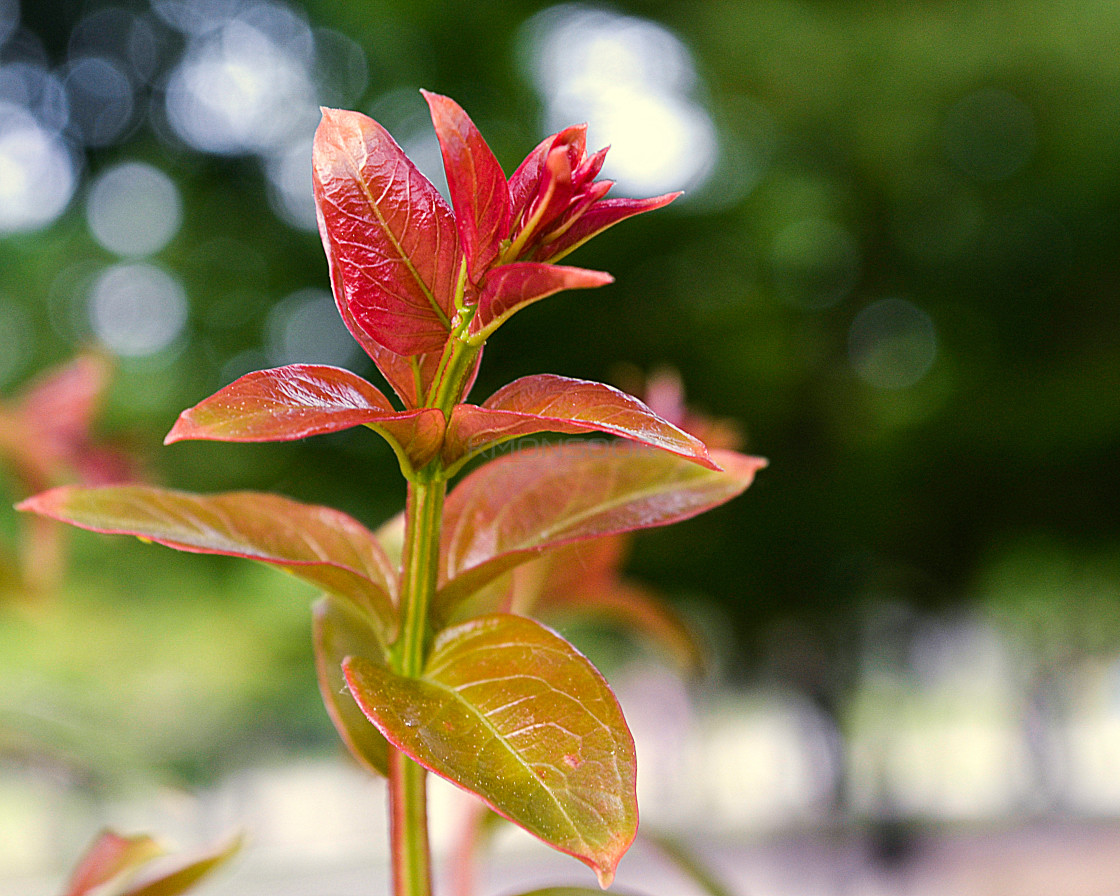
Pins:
x: 426, y: 662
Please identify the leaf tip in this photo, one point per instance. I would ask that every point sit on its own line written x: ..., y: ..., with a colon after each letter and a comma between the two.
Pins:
x: 27, y: 505
x: 43, y: 503
x: 605, y: 876
x: 178, y: 432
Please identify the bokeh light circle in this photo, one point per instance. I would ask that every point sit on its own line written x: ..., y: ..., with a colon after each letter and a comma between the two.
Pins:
x: 134, y: 209
x: 633, y: 81
x: 892, y: 344
x: 102, y: 105
x: 137, y: 309
x: 246, y: 87
x: 305, y: 328
x: 38, y: 172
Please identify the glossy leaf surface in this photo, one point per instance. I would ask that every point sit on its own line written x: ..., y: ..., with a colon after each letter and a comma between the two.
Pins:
x: 390, y: 238
x: 603, y: 214
x: 510, y: 711
x: 303, y: 400
x: 475, y: 182
x: 318, y: 544
x: 517, y: 506
x: 511, y: 287
x: 339, y: 631
x: 549, y: 403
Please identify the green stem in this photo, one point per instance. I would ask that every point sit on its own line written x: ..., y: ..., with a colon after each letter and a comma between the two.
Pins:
x: 408, y: 826
x: 408, y: 813
x: 419, y: 570
x: 427, y: 489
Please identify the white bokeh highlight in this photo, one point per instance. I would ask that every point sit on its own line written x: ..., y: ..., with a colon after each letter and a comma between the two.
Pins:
x: 38, y: 173
x: 134, y: 209
x: 633, y: 81
x: 137, y: 309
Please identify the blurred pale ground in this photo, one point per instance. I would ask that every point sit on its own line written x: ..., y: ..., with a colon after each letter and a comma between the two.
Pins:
x: 896, y: 266
x: 948, y: 780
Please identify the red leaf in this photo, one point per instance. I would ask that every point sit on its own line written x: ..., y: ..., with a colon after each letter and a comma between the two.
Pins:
x: 389, y: 236
x: 525, y: 181
x: 412, y: 377
x: 511, y: 712
x: 475, y: 181
x: 517, y: 506
x: 603, y: 214
x: 513, y: 286
x: 549, y: 403
x: 317, y: 544
x: 45, y: 433
x: 533, y: 178
x: 65, y: 399
x: 305, y: 400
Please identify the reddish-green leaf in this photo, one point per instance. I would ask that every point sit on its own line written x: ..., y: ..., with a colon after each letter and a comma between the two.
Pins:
x: 115, y: 858
x: 390, y: 238
x: 510, y: 711
x: 184, y: 877
x: 549, y: 403
x: 582, y: 582
x: 475, y: 181
x: 64, y: 401
x: 566, y: 891
x: 45, y: 431
x: 513, y: 286
x: 517, y: 506
x: 304, y: 400
x: 341, y: 631
x: 318, y: 544
x: 110, y: 856
x: 603, y: 214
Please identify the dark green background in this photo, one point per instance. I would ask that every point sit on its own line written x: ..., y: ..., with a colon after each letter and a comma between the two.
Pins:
x: 996, y: 472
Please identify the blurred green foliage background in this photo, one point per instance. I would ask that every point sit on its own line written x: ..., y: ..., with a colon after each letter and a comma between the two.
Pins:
x: 896, y: 267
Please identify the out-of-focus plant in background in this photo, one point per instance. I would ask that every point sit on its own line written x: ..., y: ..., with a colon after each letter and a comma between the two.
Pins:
x: 895, y: 262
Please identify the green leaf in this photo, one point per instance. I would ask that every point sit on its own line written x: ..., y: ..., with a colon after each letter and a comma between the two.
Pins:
x: 520, y: 505
x: 686, y: 859
x: 110, y: 856
x: 186, y: 876
x: 339, y: 631
x: 566, y: 891
x: 113, y: 857
x: 317, y: 544
x: 550, y: 403
x: 303, y: 400
x: 508, y: 710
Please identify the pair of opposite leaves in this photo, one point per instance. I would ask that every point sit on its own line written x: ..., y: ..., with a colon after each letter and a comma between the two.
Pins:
x: 504, y: 707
